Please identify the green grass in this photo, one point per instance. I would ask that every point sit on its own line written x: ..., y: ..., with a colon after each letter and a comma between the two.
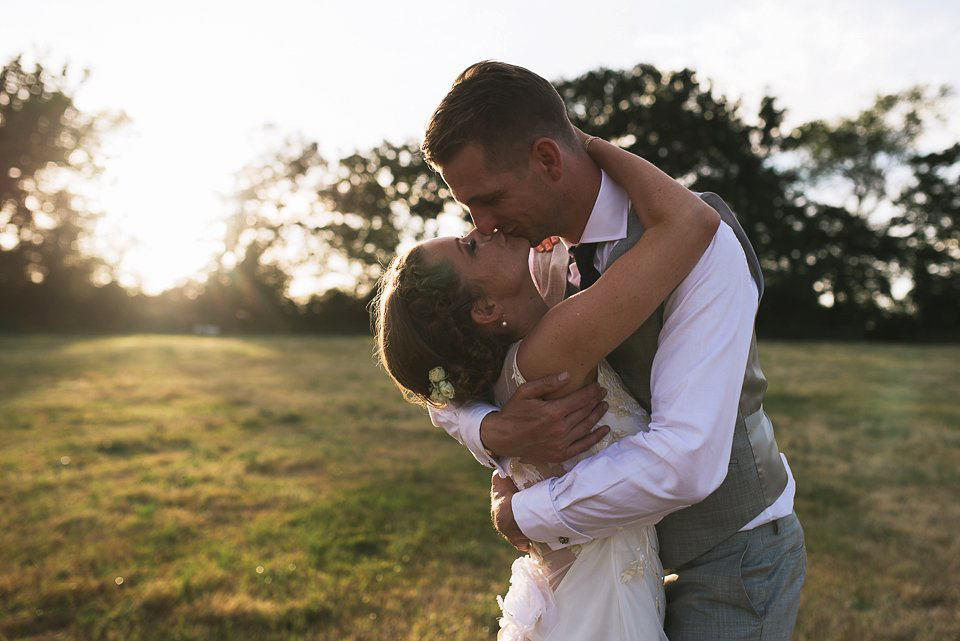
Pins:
x: 279, y: 488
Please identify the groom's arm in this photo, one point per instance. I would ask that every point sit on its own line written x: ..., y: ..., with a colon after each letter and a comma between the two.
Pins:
x: 696, y: 381
x: 527, y: 427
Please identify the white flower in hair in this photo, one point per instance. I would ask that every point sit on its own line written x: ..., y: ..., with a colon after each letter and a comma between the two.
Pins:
x: 441, y: 389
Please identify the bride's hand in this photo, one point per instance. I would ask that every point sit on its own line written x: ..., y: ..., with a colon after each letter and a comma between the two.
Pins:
x: 547, y: 244
x: 501, y: 512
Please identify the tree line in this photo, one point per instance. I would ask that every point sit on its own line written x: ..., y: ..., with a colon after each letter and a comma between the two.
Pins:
x: 842, y: 213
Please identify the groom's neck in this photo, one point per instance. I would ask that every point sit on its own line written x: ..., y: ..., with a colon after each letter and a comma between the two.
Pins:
x: 584, y: 187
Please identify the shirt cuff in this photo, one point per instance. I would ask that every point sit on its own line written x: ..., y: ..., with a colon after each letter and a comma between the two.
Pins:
x: 470, y: 433
x: 538, y: 519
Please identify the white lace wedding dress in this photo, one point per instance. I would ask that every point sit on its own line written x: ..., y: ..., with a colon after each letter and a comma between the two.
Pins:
x: 609, y: 589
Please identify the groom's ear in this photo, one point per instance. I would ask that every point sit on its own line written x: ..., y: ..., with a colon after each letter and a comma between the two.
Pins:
x: 547, y: 157
x: 486, y: 313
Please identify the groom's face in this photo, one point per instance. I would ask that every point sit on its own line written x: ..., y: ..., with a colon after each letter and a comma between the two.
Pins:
x: 516, y: 202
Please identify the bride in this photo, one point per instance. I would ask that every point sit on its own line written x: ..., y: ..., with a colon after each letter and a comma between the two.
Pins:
x: 462, y: 319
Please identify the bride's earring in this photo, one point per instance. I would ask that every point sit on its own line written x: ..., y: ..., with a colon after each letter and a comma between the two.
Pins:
x: 503, y: 323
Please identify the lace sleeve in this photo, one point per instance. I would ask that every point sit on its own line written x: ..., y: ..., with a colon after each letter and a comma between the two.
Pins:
x: 510, y: 377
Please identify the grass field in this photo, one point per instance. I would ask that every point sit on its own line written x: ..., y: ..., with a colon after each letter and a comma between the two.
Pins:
x: 156, y: 487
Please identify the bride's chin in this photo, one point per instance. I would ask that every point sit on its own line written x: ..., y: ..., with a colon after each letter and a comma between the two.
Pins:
x: 521, y: 250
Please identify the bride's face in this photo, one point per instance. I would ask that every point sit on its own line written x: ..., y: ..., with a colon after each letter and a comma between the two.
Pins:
x: 496, y: 263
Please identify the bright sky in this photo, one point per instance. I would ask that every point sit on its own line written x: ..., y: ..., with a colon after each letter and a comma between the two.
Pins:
x: 199, y: 79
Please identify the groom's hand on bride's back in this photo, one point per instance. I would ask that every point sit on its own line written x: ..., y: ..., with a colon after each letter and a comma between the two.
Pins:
x: 548, y: 431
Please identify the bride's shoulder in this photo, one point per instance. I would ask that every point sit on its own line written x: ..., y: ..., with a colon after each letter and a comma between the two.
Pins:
x: 510, y: 377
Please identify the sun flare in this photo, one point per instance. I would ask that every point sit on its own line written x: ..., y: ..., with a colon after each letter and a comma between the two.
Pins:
x: 163, y: 223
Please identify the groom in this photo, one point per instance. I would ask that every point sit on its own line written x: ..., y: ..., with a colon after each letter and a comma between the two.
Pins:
x: 709, y: 472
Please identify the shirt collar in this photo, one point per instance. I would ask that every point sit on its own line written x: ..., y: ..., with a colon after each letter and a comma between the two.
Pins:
x: 608, y: 220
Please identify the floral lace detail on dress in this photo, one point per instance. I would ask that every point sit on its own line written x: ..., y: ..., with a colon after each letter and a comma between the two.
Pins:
x: 518, y: 378
x: 621, y: 403
x: 638, y: 565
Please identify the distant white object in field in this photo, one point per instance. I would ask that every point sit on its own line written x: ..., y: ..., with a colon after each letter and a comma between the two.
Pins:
x: 206, y: 330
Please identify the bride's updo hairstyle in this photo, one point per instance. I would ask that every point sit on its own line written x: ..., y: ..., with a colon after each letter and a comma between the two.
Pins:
x: 422, y: 319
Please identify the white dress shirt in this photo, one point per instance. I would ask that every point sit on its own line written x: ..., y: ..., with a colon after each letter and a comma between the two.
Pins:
x: 696, y: 379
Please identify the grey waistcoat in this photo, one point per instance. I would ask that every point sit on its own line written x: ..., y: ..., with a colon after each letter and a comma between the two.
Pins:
x: 756, y: 475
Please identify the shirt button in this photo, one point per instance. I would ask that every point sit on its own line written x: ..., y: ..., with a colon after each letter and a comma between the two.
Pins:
x: 563, y: 540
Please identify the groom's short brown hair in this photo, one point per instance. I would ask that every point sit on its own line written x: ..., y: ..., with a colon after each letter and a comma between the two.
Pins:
x: 502, y: 108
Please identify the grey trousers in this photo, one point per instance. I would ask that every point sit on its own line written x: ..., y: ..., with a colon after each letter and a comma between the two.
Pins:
x: 747, y: 587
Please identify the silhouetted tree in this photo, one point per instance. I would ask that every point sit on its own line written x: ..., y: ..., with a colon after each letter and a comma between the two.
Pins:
x: 336, y: 311
x: 855, y: 161
x: 828, y: 267
x: 349, y: 218
x: 381, y: 198
x: 927, y: 232
x: 861, y: 153
x: 680, y: 125
x: 248, y: 297
x: 45, y: 143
